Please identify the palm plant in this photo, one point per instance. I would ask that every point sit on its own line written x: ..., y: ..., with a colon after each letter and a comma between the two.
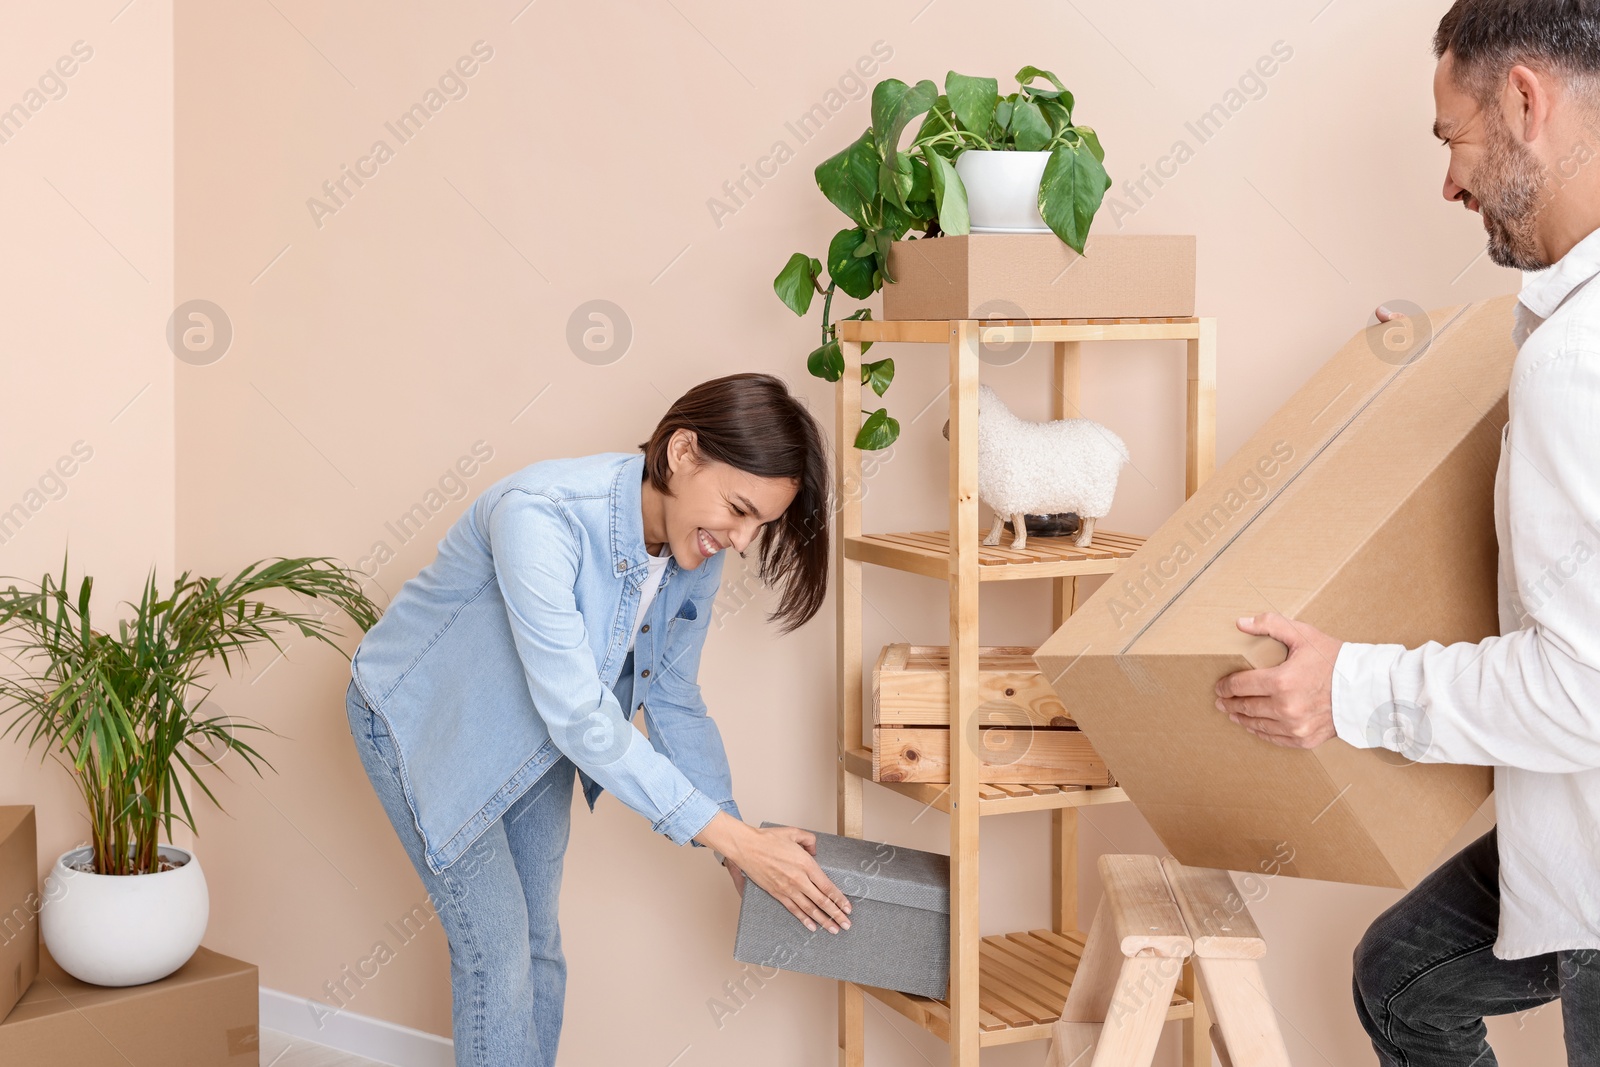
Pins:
x: 119, y: 707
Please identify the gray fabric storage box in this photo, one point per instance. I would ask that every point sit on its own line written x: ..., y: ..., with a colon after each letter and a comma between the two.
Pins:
x: 899, y: 935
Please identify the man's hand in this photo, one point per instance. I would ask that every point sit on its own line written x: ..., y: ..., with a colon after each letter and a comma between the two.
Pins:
x: 1290, y: 704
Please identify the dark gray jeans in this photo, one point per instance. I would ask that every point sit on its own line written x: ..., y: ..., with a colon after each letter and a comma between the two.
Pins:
x: 1426, y: 973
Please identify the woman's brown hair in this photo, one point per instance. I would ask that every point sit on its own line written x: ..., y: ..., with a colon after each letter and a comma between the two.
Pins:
x: 751, y: 422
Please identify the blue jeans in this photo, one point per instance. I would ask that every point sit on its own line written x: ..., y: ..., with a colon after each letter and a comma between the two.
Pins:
x: 497, y: 903
x: 1426, y: 973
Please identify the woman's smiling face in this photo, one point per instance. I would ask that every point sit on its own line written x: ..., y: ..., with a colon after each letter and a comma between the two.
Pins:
x: 713, y: 505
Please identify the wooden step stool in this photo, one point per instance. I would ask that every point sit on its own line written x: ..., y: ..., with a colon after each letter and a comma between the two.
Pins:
x: 1155, y: 914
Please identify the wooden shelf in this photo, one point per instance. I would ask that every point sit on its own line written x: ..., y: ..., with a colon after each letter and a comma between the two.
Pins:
x: 1009, y: 987
x: 1023, y: 980
x: 995, y: 799
x: 928, y: 553
x: 999, y: 331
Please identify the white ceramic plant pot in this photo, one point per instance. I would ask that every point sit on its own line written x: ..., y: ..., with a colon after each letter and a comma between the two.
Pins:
x: 121, y: 930
x: 1003, y: 190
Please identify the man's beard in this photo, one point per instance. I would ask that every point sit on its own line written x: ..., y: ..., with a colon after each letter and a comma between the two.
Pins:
x: 1507, y: 183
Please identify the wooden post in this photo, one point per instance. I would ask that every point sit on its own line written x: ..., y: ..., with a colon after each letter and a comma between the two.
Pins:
x: 847, y: 420
x: 1200, y: 461
x: 1066, y: 402
x: 1201, y: 453
x: 964, y: 538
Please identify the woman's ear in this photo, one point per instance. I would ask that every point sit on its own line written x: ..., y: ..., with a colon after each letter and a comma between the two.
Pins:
x: 680, y: 448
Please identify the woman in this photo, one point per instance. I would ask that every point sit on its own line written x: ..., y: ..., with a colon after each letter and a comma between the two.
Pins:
x: 567, y: 597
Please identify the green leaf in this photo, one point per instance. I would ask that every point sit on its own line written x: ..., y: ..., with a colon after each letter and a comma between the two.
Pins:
x: 1092, y: 139
x: 934, y: 121
x: 921, y: 181
x: 886, y: 97
x: 850, y: 272
x: 1002, y: 114
x: 878, y: 431
x: 973, y: 100
x: 1027, y: 74
x: 1070, y: 191
x: 894, y: 178
x: 794, y: 283
x: 894, y: 105
x: 896, y: 222
x: 884, y: 241
x: 864, y: 314
x: 1056, y: 114
x: 849, y: 178
x: 951, y: 196
x: 1028, y: 126
x: 826, y: 362
x: 863, y: 169
x: 878, y: 375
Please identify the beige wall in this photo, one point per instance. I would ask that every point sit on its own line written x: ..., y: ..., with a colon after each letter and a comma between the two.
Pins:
x: 376, y: 343
x: 86, y: 443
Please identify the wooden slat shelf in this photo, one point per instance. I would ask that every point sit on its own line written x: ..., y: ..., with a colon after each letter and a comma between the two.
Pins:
x: 1009, y: 987
x: 996, y: 799
x: 927, y: 552
x: 1023, y: 980
x: 998, y: 331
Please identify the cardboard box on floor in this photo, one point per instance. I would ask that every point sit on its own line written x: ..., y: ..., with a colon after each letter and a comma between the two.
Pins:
x: 19, y: 903
x: 204, y: 1014
x: 1364, y: 507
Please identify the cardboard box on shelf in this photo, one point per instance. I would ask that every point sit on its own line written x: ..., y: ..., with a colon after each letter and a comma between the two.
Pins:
x: 19, y: 903
x: 1037, y: 276
x: 204, y: 1014
x: 1364, y: 507
x: 899, y: 934
x: 1023, y: 734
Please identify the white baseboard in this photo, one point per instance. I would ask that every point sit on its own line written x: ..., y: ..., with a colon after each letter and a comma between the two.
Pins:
x: 360, y: 1035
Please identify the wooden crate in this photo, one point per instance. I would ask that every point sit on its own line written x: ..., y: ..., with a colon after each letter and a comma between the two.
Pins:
x: 1024, y: 734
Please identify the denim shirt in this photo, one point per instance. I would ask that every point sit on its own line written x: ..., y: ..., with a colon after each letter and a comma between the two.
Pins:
x: 510, y: 650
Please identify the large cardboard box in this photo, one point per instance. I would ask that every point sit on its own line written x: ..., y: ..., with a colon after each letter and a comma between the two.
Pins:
x: 204, y: 1014
x: 19, y: 903
x: 1364, y: 507
x: 1036, y: 276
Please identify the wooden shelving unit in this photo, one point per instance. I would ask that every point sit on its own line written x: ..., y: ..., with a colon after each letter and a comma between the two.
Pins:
x: 1004, y: 988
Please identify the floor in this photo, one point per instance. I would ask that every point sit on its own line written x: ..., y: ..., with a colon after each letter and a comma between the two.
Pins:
x: 281, y: 1050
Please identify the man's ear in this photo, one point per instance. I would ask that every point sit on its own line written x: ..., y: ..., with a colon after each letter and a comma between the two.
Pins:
x: 1526, y: 103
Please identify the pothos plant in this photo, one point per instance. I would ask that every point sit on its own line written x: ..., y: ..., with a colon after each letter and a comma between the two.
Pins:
x: 887, y: 192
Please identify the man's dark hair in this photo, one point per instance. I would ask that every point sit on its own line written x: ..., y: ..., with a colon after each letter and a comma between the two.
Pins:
x: 1489, y: 37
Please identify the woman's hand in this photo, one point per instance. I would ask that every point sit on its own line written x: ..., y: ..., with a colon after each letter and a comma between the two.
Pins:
x: 779, y: 860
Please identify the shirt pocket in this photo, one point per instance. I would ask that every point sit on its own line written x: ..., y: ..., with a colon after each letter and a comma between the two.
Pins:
x: 686, y: 613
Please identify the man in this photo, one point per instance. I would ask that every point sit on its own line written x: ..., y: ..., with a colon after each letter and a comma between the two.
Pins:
x: 1513, y: 920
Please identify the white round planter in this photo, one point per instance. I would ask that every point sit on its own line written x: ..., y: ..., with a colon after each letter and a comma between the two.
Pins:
x: 1003, y: 190
x: 121, y: 930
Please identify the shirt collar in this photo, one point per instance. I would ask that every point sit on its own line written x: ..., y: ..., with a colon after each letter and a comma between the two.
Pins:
x: 1550, y: 287
x: 627, y: 514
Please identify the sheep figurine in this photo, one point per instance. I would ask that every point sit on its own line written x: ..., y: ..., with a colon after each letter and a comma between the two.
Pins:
x: 1040, y: 468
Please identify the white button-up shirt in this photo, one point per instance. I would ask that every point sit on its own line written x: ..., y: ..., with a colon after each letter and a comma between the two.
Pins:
x: 1526, y: 702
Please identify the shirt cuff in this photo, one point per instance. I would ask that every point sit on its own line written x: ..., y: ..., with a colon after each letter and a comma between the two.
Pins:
x: 1362, y: 693
x: 732, y: 809
x: 693, y: 813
